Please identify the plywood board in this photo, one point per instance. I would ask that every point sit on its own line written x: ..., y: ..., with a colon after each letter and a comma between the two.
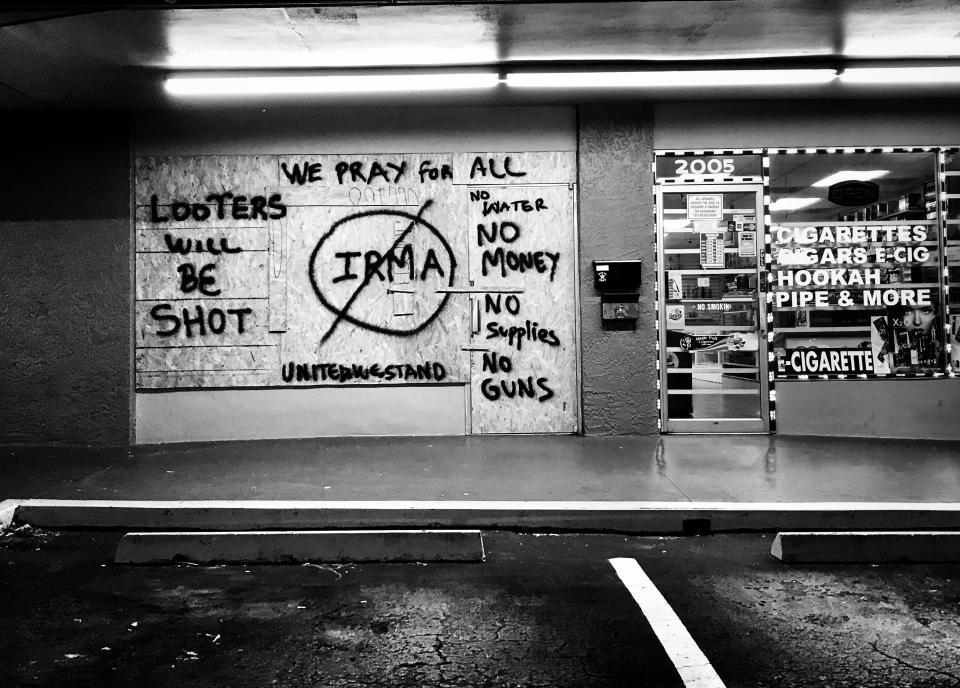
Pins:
x: 523, y: 374
x: 327, y: 270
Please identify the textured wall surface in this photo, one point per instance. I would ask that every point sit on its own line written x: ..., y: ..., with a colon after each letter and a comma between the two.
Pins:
x: 65, y: 281
x: 617, y: 222
x: 237, y: 130
x: 909, y: 409
x: 789, y: 123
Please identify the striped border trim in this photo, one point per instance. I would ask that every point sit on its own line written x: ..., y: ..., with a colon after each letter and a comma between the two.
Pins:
x: 712, y: 180
x: 707, y: 151
x: 767, y: 258
x: 875, y: 149
x: 942, y: 209
x: 673, y: 153
x: 661, y: 411
x: 852, y: 376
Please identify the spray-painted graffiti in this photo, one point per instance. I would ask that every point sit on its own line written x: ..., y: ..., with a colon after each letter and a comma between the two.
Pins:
x: 367, y: 269
x: 520, y: 382
x: 201, y: 280
x: 357, y: 256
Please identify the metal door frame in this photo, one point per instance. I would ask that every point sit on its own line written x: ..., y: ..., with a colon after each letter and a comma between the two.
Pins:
x: 714, y: 425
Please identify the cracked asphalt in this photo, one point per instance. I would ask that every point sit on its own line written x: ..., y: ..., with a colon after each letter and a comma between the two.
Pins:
x: 543, y: 610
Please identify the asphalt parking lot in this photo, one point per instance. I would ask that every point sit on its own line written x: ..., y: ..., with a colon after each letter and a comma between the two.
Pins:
x: 542, y: 610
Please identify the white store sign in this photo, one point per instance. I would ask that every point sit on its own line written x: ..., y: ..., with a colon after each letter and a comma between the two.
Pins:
x: 705, y: 207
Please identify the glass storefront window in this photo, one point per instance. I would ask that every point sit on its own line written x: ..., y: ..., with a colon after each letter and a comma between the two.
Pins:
x: 856, y: 264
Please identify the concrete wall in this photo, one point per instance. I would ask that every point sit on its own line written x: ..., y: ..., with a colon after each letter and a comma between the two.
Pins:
x: 207, y: 131
x: 65, y: 279
x: 909, y: 409
x: 617, y: 222
x: 777, y: 124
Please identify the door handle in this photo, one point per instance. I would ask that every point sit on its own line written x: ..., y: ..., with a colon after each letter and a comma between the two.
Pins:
x: 474, y: 316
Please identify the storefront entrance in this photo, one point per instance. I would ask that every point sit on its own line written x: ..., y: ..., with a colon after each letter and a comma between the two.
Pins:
x: 712, y: 315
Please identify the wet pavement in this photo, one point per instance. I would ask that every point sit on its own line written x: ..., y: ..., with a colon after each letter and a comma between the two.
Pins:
x: 543, y: 610
x: 763, y: 623
x: 513, y: 621
x: 726, y: 468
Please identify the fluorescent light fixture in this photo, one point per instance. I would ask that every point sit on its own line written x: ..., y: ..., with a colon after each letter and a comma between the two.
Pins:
x: 884, y: 46
x: 212, y: 86
x: 850, y: 175
x: 900, y: 75
x: 385, y: 56
x: 788, y: 204
x: 640, y: 79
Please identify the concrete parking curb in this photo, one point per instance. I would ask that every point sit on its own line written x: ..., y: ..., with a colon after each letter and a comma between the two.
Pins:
x: 301, y: 546
x: 627, y: 517
x: 873, y: 547
x: 8, y: 510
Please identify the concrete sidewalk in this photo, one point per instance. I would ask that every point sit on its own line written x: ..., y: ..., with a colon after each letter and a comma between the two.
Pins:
x: 631, y: 484
x: 687, y: 468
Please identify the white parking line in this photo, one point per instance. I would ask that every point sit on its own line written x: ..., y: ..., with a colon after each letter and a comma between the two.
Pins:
x: 692, y: 665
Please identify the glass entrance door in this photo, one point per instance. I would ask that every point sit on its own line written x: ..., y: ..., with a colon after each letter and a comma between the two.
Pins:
x: 713, y: 342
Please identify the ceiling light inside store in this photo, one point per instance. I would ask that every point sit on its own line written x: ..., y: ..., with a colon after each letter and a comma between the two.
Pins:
x: 787, y: 204
x: 850, y: 175
x: 315, y: 84
x: 901, y: 75
x: 640, y: 79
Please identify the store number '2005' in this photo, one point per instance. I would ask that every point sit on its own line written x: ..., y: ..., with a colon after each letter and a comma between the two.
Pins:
x: 698, y: 166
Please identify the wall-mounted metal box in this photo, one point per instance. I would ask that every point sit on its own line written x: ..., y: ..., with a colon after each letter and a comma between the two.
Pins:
x: 616, y: 274
x: 619, y: 310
